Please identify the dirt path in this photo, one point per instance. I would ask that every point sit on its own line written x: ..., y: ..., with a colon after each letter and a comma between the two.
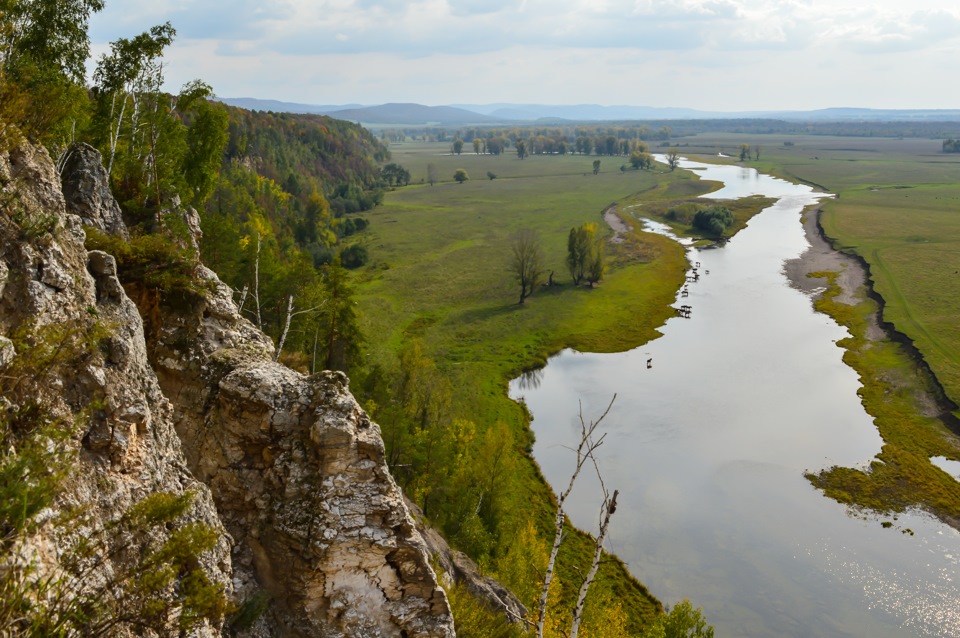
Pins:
x: 613, y: 220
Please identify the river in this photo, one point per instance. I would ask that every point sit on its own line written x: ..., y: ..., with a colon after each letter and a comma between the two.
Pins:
x: 709, y: 445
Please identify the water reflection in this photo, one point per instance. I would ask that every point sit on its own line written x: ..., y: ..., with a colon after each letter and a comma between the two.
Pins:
x: 709, y: 446
x: 529, y: 380
x: 947, y: 465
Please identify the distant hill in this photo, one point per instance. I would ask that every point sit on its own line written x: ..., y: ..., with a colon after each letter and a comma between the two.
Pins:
x: 503, y: 113
x: 585, y: 112
x: 408, y: 113
x: 868, y: 115
x: 256, y: 104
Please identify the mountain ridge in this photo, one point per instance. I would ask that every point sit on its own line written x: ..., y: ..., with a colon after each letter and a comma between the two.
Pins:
x: 411, y: 113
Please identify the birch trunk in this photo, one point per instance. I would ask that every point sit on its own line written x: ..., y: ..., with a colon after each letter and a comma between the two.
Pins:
x: 610, y: 507
x: 584, y: 451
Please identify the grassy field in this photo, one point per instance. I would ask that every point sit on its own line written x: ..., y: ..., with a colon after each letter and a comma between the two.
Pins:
x: 441, y: 266
x: 440, y: 273
x: 902, y: 475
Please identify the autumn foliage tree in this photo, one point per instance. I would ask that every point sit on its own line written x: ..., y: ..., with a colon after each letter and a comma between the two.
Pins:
x: 585, y: 259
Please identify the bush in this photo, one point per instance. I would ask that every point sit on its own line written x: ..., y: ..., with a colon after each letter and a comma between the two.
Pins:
x: 353, y: 256
x: 155, y: 261
x: 683, y: 621
x: 713, y: 221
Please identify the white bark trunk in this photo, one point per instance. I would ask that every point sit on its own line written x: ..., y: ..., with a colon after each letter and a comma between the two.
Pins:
x: 610, y: 507
x: 584, y: 451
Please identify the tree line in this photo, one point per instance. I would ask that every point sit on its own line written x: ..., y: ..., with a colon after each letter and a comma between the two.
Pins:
x: 277, y: 194
x: 555, y: 144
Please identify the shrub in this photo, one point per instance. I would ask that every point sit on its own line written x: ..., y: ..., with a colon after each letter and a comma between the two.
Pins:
x: 353, y: 256
x: 157, y: 262
x: 713, y: 220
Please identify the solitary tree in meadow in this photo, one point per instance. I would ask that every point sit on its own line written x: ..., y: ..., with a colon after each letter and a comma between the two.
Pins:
x: 460, y: 175
x: 527, y: 262
x: 673, y: 158
x: 585, y: 254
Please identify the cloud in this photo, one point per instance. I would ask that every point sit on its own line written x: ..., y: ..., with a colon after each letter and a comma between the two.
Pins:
x: 425, y: 27
x: 478, y: 7
x: 331, y: 51
x: 873, y: 31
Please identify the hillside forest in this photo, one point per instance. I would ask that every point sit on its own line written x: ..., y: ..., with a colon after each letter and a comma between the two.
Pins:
x: 282, y: 201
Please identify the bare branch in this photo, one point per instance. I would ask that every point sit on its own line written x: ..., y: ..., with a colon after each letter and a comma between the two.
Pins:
x: 584, y: 451
x: 609, y: 506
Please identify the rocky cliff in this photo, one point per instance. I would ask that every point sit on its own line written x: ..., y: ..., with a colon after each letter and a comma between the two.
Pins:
x: 311, y: 536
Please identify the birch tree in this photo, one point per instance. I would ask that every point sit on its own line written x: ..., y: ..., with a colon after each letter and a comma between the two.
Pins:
x: 607, y: 510
x: 131, y: 71
x: 585, y: 449
x: 286, y: 326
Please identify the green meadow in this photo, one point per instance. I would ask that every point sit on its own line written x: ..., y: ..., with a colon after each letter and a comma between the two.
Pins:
x: 440, y: 264
x: 439, y: 275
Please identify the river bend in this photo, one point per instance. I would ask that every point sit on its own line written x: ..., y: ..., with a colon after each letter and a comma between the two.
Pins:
x: 709, y: 445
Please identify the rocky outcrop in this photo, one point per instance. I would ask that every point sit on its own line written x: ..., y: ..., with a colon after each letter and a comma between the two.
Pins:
x: 285, y: 469
x: 87, y: 191
x: 299, y: 474
x: 95, y: 378
x: 296, y: 469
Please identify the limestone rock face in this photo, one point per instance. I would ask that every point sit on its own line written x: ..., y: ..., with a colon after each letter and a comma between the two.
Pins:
x: 461, y: 569
x: 299, y: 474
x: 125, y: 447
x: 86, y: 190
x: 296, y: 468
x: 287, y: 470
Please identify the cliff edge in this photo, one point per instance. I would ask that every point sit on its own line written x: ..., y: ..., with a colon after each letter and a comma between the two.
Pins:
x: 309, y: 534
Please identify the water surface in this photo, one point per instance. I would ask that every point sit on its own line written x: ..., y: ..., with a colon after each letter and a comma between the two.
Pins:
x: 709, y: 445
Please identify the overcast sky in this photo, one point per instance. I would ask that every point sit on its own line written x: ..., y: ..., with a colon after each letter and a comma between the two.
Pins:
x: 728, y: 55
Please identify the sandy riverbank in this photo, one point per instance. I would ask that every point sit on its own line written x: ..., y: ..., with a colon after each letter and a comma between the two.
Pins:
x: 853, y: 283
x: 821, y: 257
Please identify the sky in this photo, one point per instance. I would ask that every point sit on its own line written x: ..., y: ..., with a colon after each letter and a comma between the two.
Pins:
x: 718, y: 55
